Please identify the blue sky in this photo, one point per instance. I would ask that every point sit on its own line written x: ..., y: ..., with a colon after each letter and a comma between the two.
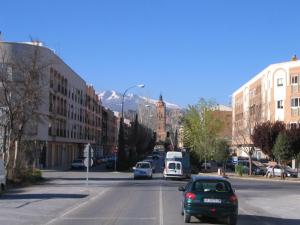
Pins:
x: 182, y: 49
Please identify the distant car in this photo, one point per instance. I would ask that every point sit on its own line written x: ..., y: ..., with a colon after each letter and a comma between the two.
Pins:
x: 211, y: 197
x: 276, y: 171
x: 142, y: 169
x: 77, y: 164
x: 152, y: 164
x: 110, y: 163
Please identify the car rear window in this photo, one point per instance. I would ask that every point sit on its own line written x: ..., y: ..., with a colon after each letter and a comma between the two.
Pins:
x: 143, y: 165
x: 174, y: 166
x: 211, y: 186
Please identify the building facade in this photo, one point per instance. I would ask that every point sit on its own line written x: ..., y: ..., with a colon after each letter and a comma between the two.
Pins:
x: 161, y: 132
x: 71, y: 111
x: 271, y: 95
x: 110, y: 124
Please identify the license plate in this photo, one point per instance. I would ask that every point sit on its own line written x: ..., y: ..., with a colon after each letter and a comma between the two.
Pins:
x: 212, y: 200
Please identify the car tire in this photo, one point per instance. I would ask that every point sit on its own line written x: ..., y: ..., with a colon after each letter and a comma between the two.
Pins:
x: 186, y: 217
x: 232, y: 220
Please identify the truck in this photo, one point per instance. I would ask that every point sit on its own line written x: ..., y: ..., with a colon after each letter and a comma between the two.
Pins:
x: 177, y: 164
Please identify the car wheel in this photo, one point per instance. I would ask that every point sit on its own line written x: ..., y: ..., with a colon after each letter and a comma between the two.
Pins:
x: 186, y: 217
x: 232, y: 220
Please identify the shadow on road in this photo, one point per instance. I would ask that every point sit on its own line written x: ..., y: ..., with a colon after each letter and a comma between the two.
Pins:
x: 262, y: 220
x: 41, y: 196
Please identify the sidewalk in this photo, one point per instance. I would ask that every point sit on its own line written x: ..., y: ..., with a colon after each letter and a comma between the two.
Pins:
x: 253, y: 177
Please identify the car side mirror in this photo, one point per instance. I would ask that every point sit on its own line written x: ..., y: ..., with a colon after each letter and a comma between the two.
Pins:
x: 181, y: 188
x: 134, y: 168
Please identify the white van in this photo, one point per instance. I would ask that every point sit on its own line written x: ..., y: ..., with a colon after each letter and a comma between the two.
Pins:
x: 173, y: 169
x: 2, y: 175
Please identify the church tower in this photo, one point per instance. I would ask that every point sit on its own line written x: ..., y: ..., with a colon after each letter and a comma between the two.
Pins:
x: 161, y: 132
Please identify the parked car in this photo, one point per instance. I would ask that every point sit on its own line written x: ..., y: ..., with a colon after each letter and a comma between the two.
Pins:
x: 212, y: 197
x: 110, y: 163
x: 77, y: 164
x: 142, y: 169
x: 276, y: 171
x: 2, y: 175
x: 257, y: 167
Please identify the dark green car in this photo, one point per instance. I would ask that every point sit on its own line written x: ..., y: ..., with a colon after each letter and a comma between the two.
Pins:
x: 209, y: 197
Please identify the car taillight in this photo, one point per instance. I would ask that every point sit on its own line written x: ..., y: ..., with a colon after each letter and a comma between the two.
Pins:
x: 190, y: 195
x: 233, y: 199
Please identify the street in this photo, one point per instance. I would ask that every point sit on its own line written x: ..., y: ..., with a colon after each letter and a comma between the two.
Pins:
x: 115, y: 198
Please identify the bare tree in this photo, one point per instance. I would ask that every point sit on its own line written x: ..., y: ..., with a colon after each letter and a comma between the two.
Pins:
x: 22, y: 80
x: 244, y: 131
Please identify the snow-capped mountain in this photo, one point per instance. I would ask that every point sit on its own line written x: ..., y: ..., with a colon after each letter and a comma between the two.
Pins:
x: 113, y: 100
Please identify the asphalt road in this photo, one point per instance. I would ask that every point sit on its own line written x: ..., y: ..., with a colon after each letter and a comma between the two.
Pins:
x: 117, y: 199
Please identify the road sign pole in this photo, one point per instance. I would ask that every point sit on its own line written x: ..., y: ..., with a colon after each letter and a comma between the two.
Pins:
x: 115, y: 161
x: 88, y: 167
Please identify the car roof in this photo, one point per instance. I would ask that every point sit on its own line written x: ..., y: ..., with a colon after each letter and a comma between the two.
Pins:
x: 213, y: 178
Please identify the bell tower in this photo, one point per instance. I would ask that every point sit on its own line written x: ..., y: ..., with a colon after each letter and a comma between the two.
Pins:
x: 161, y: 133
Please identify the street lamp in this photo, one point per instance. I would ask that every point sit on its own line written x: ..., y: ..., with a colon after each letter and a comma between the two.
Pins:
x: 121, y: 128
x: 138, y: 85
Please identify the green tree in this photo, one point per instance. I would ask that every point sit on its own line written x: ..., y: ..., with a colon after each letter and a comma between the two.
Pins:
x: 283, y: 150
x: 201, y: 128
x: 294, y: 136
x: 222, y: 153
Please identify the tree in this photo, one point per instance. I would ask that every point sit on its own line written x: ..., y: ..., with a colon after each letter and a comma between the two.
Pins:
x: 283, y: 150
x: 264, y: 136
x: 222, y: 152
x: 201, y: 128
x: 294, y: 137
x: 22, y: 78
x: 122, y: 159
x: 243, y: 133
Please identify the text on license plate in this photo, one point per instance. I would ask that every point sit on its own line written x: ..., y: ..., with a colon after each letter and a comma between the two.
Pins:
x: 212, y: 200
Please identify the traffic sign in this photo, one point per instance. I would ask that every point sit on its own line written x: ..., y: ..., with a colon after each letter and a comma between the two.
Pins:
x: 88, y: 150
x: 86, y: 162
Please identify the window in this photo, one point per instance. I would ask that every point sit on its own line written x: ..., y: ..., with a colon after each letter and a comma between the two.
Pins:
x: 295, y: 102
x: 294, y: 80
x: 280, y: 104
x: 280, y: 82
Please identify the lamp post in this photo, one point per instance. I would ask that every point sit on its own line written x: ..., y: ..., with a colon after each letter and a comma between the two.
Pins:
x: 123, y: 96
x: 121, y: 154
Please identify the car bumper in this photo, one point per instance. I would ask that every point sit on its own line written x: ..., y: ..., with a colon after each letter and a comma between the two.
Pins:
x: 211, y: 211
x: 174, y: 176
x: 141, y: 175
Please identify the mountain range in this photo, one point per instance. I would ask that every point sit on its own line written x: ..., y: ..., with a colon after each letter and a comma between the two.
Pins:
x: 113, y: 100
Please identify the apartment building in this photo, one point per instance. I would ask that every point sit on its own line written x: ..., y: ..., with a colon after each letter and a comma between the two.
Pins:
x: 273, y: 94
x: 110, y: 125
x: 71, y: 111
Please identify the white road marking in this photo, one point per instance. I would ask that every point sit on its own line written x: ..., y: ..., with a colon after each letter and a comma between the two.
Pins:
x: 109, y: 218
x: 161, y: 209
x: 72, y: 209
